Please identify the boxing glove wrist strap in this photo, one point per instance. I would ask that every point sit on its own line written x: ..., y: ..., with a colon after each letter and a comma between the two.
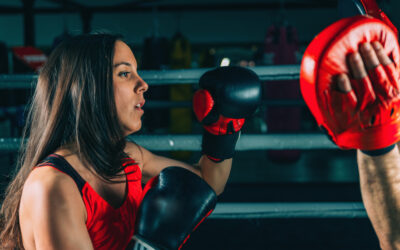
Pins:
x: 219, y: 147
x: 378, y: 152
x: 140, y: 244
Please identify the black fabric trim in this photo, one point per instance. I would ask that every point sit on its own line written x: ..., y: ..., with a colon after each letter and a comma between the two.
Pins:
x: 378, y: 152
x: 219, y: 147
x: 58, y: 162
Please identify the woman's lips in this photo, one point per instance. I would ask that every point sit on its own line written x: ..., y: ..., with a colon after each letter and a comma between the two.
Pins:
x: 140, y: 105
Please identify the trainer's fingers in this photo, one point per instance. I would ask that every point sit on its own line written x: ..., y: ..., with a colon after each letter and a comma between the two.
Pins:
x: 369, y: 56
x: 356, y: 65
x: 380, y: 53
x: 390, y: 81
x: 342, y: 83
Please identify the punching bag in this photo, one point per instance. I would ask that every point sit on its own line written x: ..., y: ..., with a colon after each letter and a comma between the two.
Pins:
x: 180, y: 118
x: 156, y: 57
x: 281, y: 45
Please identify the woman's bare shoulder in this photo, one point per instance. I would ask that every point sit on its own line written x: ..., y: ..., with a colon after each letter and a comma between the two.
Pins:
x: 46, y: 186
x: 47, y: 177
x: 52, y: 211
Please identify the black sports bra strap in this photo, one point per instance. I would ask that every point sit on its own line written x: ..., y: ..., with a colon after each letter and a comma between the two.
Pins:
x: 58, y: 162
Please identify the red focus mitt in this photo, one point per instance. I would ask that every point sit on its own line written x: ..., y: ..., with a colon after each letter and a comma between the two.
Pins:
x: 368, y: 116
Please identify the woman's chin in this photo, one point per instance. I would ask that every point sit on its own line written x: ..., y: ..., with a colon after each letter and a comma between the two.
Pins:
x: 132, y: 130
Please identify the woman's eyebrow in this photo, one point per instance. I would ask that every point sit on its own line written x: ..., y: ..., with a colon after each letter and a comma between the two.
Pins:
x: 122, y: 63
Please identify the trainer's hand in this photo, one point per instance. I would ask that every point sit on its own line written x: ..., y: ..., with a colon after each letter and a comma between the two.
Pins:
x: 371, y: 62
x: 369, y: 57
x: 351, y: 85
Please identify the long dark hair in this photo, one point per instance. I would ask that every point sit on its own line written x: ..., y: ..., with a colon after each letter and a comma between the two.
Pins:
x: 73, y: 105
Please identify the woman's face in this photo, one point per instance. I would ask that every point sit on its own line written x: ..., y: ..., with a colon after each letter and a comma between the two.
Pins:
x: 128, y: 89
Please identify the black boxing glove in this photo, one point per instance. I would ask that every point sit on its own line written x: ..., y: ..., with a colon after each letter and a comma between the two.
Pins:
x: 227, y: 96
x: 175, y: 203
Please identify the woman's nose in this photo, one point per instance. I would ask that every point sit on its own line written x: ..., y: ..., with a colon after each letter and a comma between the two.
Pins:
x: 142, y: 86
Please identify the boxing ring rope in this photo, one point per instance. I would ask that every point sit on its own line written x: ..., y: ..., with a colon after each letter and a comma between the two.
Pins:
x: 168, y: 104
x: 18, y: 81
x: 289, y: 210
x: 265, y: 73
x: 246, y: 142
x: 164, y: 77
x: 155, y: 104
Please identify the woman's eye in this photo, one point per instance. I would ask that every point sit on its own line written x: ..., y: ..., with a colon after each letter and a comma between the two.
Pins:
x: 124, y: 74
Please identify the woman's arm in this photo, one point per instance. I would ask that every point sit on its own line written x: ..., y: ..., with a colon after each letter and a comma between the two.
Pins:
x: 215, y: 174
x: 52, y: 213
x: 227, y: 96
x: 380, y: 188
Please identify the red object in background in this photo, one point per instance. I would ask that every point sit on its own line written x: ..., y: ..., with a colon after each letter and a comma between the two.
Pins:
x: 30, y: 56
x: 281, y: 45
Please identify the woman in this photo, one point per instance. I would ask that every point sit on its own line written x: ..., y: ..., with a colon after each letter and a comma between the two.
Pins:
x: 89, y: 96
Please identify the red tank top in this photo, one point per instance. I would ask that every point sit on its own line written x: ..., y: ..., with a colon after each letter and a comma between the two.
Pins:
x: 108, y: 227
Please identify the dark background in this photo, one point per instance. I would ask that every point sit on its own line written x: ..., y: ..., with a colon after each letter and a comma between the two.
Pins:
x: 249, y: 33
